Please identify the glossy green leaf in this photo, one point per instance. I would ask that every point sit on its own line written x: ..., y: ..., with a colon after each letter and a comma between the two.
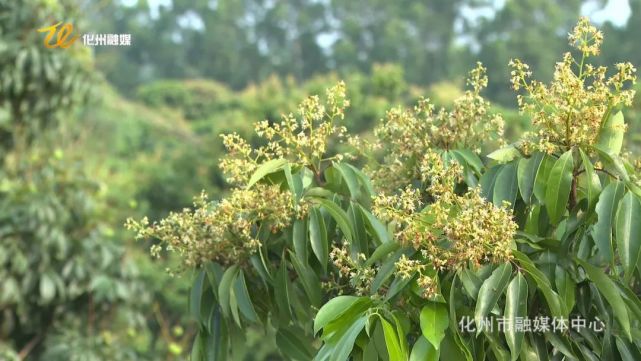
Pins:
x: 350, y: 179
x: 591, y: 183
x: 392, y: 342
x: 506, y: 185
x: 424, y: 351
x: 375, y: 227
x: 224, y: 289
x: 244, y: 301
x: 611, y: 135
x: 542, y: 175
x: 566, y: 287
x: 318, y: 237
x: 487, y: 181
x: 434, y: 321
x: 338, y: 215
x: 558, y: 188
x: 381, y: 251
x: 505, y: 154
x: 606, y: 209
x: 333, y: 309
x: 491, y: 291
x: 611, y: 293
x: 310, y: 281
x: 281, y: 291
x: 628, y: 233
x: 515, y: 307
x: 613, y: 163
x: 345, y: 344
x: 471, y: 158
x: 471, y: 283
x: 266, y: 168
x: 300, y: 240
x: 526, y: 175
x: 557, y: 308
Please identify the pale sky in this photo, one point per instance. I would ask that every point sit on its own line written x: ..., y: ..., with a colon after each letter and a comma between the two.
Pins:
x: 616, y: 11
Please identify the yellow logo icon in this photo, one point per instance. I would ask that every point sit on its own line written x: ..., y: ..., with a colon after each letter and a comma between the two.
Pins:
x: 62, y: 35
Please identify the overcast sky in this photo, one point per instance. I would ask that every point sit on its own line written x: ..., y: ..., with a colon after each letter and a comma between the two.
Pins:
x: 616, y: 11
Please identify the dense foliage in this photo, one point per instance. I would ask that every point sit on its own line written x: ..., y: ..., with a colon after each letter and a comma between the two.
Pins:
x: 393, y: 247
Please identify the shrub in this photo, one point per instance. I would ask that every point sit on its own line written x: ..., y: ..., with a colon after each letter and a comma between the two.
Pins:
x: 395, y: 260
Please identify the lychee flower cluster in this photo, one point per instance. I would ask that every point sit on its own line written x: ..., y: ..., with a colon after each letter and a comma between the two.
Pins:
x: 572, y: 109
x: 304, y: 140
x: 351, y: 271
x: 454, y: 231
x: 225, y: 232
x: 405, y: 135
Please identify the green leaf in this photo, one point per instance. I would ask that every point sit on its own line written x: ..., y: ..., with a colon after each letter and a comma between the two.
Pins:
x: 434, y: 321
x: 558, y: 188
x: 470, y: 158
x: 506, y: 186
x: 491, y: 291
x: 293, y: 344
x: 386, y: 270
x: 318, y: 237
x: 300, y: 240
x: 360, y: 243
x: 281, y: 291
x: 350, y: 179
x: 375, y: 227
x: 345, y: 344
x: 515, y: 306
x: 592, y: 184
x: 628, y: 233
x: 471, y: 283
x: 487, y: 181
x: 196, y: 295
x: 244, y: 301
x: 266, y: 168
x: 610, y: 137
x: 392, y: 342
x: 526, y: 175
x: 505, y: 154
x: 611, y: 293
x: 362, y: 178
x: 424, y: 351
x: 566, y: 287
x: 453, y: 349
x: 224, y: 289
x: 613, y: 163
x: 557, y: 309
x: 233, y: 306
x: 606, y: 209
x: 381, y: 251
x: 542, y: 175
x: 332, y: 310
x: 339, y: 216
x: 310, y: 281
x: 294, y: 182
x: 197, y: 350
